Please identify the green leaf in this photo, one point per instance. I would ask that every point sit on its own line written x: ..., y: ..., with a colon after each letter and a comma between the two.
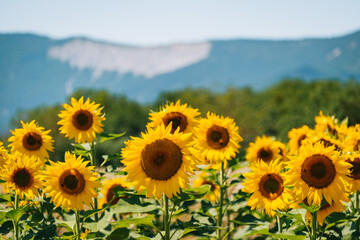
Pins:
x: 142, y: 220
x: 312, y: 208
x: 5, y: 198
x: 290, y: 236
x: 138, y: 236
x: 69, y: 225
x: 176, y: 234
x: 15, y: 214
x: 101, y: 224
x: 293, y: 214
x: 191, y: 194
x: 125, y: 207
x: 106, y: 137
x: 119, y: 234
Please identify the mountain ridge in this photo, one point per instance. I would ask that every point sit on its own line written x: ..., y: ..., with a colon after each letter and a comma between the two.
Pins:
x: 29, y: 77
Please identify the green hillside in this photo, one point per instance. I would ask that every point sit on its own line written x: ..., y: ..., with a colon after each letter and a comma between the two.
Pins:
x: 272, y: 111
x: 30, y: 78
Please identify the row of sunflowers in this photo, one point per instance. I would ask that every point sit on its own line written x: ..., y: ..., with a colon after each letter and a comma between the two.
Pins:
x: 182, y: 178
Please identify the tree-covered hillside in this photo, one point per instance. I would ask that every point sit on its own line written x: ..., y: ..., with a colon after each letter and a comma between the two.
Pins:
x: 273, y: 111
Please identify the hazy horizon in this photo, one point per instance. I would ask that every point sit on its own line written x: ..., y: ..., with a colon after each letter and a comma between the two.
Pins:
x: 159, y: 22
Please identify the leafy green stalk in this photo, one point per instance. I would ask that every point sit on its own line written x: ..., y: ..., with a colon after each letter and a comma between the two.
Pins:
x: 166, y: 217
x: 278, y: 219
x: 314, y: 226
x: 78, y: 228
x: 16, y: 221
x: 93, y: 162
x: 357, y: 209
x: 221, y: 201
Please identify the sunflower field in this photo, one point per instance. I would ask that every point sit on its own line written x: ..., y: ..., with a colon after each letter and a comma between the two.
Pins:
x: 186, y: 176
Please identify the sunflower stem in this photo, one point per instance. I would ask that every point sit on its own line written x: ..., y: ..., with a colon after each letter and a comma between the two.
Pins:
x: 92, y: 159
x: 228, y: 225
x: 314, y: 226
x: 357, y: 209
x: 278, y: 219
x: 166, y: 217
x: 16, y: 223
x: 78, y: 228
x: 221, y: 201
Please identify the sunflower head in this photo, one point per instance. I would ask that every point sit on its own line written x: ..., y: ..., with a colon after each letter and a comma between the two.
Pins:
x: 179, y: 115
x: 204, y: 179
x: 217, y: 138
x: 266, y: 183
x: 107, y: 190
x: 296, y: 136
x: 326, y: 124
x: 31, y: 140
x: 325, y: 210
x: 319, y: 172
x: 354, y: 160
x: 264, y: 148
x: 23, y: 175
x: 72, y: 183
x: 159, y: 161
x: 318, y: 136
x: 352, y: 141
x: 4, y: 156
x: 81, y: 120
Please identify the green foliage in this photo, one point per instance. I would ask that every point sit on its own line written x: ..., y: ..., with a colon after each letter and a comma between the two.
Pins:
x: 273, y: 111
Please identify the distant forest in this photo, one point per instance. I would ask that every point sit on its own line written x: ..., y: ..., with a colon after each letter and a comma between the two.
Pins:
x: 274, y: 111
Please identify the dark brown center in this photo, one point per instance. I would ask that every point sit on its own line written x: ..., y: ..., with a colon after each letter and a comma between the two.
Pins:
x: 331, y: 130
x: 110, y: 195
x: 161, y: 159
x: 271, y: 186
x: 212, y: 185
x: 32, y: 141
x: 72, y: 182
x: 318, y: 171
x: 177, y: 119
x: 302, y: 137
x: 355, y: 168
x: 82, y: 119
x: 327, y: 143
x: 217, y: 137
x: 265, y: 154
x: 22, y: 178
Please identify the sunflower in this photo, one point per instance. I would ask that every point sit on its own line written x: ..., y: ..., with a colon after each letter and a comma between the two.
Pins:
x: 282, y: 150
x: 354, y: 160
x: 159, y: 161
x: 31, y: 140
x: 266, y: 183
x: 317, y: 136
x: 318, y: 172
x: 107, y: 190
x: 264, y: 149
x: 352, y: 141
x: 296, y: 136
x: 325, y: 210
x: 71, y: 183
x: 23, y: 175
x: 326, y: 124
x: 181, y: 116
x: 4, y: 156
x: 81, y: 120
x: 203, y: 179
x: 217, y: 138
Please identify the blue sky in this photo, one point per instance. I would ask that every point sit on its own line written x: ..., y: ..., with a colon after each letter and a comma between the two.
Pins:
x: 157, y: 22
